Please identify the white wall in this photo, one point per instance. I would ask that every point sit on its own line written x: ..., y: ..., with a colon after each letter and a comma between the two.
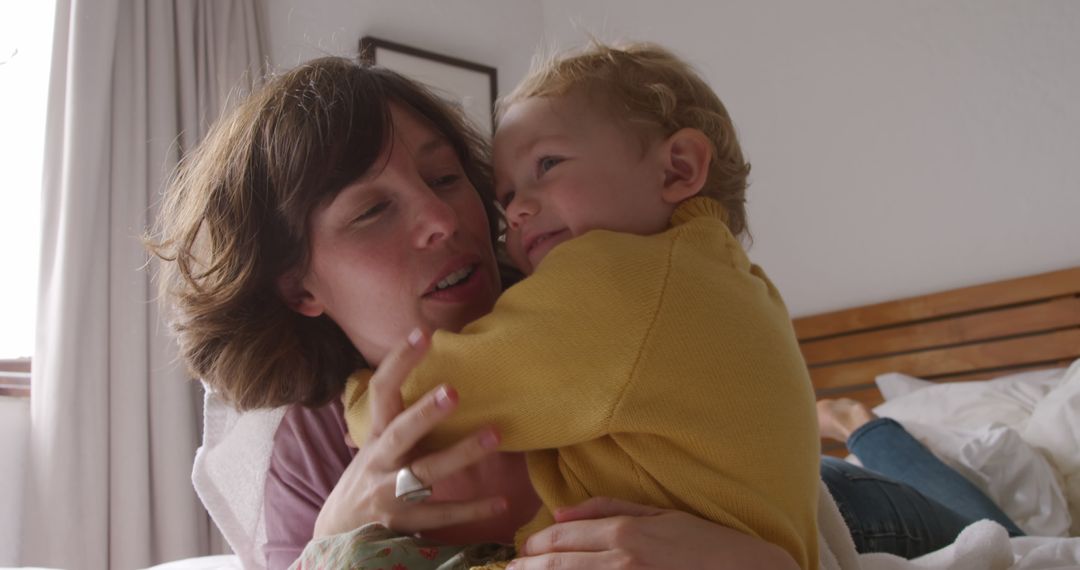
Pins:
x: 899, y: 147
x: 499, y: 33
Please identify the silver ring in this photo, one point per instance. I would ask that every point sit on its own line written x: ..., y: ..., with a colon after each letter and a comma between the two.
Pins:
x: 409, y: 488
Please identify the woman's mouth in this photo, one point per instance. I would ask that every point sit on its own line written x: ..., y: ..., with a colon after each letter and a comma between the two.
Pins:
x: 455, y: 278
x: 459, y: 285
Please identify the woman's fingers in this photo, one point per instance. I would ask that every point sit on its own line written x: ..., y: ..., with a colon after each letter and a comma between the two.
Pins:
x: 432, y: 515
x: 637, y: 536
x: 410, y: 426
x: 570, y: 561
x: 464, y: 453
x: 603, y: 507
x: 384, y: 389
x: 591, y: 526
x: 578, y: 536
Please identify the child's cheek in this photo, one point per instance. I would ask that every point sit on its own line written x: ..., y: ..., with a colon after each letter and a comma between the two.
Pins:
x: 517, y: 252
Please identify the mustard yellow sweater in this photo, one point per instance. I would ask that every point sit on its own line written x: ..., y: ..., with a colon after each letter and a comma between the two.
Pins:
x: 659, y: 369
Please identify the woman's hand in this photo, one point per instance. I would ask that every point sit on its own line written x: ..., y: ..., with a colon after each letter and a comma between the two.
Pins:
x: 608, y: 533
x: 365, y: 492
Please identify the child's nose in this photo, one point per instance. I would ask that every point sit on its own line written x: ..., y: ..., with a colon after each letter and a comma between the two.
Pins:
x: 521, y: 209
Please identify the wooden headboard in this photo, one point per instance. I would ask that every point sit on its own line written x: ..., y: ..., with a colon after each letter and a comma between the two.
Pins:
x: 971, y: 333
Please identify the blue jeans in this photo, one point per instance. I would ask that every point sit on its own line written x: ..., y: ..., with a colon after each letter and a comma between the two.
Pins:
x: 905, y: 501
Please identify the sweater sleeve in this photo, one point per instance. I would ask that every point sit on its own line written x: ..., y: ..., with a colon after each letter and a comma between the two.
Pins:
x: 548, y: 364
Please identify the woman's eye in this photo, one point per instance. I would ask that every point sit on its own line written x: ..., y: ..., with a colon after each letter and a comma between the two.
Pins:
x: 444, y: 181
x: 372, y: 211
x: 546, y: 163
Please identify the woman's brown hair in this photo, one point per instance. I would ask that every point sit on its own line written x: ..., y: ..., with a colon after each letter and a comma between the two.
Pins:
x: 235, y: 218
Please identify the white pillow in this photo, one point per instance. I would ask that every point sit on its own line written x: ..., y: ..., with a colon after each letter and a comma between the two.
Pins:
x: 1008, y: 400
x: 229, y: 473
x: 894, y: 384
x: 1054, y: 428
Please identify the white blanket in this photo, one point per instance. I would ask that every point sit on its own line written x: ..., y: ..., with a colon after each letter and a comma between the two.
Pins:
x: 984, y: 545
x: 1016, y: 437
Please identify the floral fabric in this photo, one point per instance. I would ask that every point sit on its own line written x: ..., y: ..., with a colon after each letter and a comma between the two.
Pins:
x: 375, y: 547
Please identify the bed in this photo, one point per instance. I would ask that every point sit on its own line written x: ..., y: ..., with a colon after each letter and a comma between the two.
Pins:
x: 988, y: 377
x: 948, y: 364
x: 973, y: 333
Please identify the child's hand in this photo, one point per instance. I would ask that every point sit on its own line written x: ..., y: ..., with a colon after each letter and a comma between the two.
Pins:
x: 608, y: 533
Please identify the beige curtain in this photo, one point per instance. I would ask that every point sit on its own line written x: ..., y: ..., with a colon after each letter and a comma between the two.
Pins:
x: 114, y: 421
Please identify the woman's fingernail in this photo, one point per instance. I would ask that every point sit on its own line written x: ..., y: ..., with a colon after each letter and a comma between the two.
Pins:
x: 442, y: 397
x: 512, y: 566
x: 489, y: 440
x: 415, y: 337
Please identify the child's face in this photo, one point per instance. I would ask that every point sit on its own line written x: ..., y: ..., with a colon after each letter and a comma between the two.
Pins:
x: 563, y: 168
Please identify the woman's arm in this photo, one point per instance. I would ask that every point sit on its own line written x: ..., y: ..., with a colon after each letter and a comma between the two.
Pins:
x: 318, y: 486
x: 608, y: 533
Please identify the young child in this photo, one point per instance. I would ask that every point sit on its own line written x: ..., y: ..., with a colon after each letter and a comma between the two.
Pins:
x: 644, y: 357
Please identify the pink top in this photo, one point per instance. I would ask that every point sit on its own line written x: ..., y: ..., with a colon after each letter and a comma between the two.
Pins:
x: 308, y: 458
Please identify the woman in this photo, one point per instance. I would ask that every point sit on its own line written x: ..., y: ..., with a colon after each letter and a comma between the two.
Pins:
x: 309, y: 235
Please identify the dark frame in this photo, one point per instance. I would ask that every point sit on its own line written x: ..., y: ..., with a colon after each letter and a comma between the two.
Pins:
x: 15, y: 377
x: 370, y: 47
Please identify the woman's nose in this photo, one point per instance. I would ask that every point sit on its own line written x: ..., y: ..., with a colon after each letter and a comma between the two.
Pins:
x: 436, y: 219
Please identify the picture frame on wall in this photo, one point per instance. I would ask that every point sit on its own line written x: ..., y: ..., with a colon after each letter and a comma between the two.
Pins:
x: 471, y: 86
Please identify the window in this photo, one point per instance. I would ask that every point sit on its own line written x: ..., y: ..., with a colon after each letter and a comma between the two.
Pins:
x: 25, y: 51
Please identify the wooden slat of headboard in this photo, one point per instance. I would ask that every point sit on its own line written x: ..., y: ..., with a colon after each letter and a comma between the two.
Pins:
x: 1061, y: 283
x: 974, y: 333
x: 1035, y: 349
x: 998, y: 372
x: 1038, y: 317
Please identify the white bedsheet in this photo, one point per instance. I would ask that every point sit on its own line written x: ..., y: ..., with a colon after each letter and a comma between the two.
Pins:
x: 222, y: 562
x: 1016, y: 437
x: 984, y: 545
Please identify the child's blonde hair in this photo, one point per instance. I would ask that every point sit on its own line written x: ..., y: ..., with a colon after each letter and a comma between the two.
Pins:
x: 650, y: 88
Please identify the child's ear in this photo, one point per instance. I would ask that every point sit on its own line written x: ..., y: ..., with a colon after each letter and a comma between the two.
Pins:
x: 290, y: 286
x: 686, y: 155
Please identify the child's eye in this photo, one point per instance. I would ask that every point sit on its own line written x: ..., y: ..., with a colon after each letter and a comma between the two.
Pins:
x: 546, y: 163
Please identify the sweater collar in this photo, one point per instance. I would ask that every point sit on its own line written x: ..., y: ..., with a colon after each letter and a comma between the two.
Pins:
x: 697, y: 207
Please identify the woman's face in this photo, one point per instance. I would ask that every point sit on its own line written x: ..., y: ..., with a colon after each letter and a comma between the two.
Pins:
x: 405, y: 246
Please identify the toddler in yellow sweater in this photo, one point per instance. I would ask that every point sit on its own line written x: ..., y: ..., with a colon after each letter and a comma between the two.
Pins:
x: 644, y: 357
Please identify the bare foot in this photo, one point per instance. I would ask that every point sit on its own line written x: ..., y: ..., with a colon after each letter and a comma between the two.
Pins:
x: 838, y: 419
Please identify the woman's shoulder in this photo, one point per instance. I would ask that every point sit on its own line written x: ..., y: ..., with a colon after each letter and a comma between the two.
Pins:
x: 308, y: 457
x: 312, y: 439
